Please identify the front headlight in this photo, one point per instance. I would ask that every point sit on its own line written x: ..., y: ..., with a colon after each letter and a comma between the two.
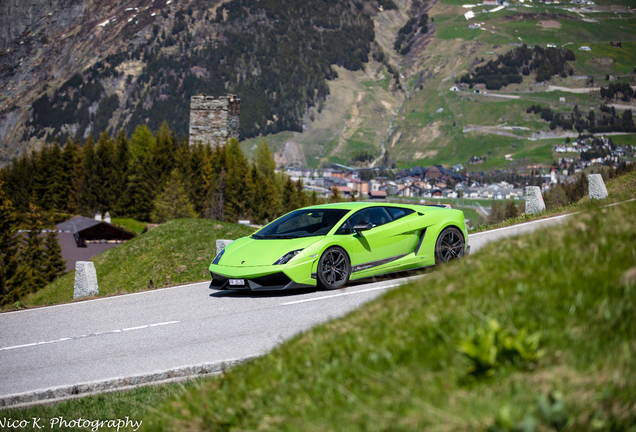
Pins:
x: 285, y: 258
x: 218, y: 257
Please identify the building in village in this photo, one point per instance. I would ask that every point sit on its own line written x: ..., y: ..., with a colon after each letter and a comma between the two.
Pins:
x: 82, y: 238
x: 214, y: 121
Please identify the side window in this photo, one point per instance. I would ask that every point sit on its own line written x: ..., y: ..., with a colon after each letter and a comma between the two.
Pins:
x: 376, y: 216
x: 397, y: 213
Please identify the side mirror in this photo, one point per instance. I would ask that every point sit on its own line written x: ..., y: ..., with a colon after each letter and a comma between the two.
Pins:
x: 362, y: 226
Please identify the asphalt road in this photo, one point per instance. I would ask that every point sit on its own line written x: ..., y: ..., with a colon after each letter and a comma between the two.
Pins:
x: 160, y: 330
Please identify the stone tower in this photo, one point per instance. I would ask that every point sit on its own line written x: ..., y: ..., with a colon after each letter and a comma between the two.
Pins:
x: 214, y: 121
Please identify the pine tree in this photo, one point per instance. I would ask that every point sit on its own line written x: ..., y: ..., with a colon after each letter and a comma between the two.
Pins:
x: 43, y: 177
x: 511, y: 210
x: 301, y: 197
x: 54, y: 265
x: 264, y: 160
x: 32, y: 255
x: 76, y: 191
x: 288, y: 196
x: 105, y: 176
x: 90, y: 190
x: 173, y: 202
x: 141, y: 187
x: 163, y: 155
x: 335, y: 196
x: 121, y: 171
x: 64, y: 177
x: 9, y: 246
x: 239, y: 190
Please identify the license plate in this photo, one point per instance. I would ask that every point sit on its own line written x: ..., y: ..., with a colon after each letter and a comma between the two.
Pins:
x: 237, y: 282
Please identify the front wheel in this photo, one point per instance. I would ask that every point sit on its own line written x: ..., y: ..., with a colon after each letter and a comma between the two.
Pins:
x: 450, y: 245
x: 333, y: 268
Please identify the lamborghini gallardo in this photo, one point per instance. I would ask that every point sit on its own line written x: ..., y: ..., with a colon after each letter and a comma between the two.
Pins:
x: 329, y: 245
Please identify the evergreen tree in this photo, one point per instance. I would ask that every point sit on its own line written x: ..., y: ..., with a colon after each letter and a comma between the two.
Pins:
x: 218, y: 210
x: 265, y: 206
x: 9, y: 246
x: 32, y: 255
x: 335, y: 196
x: 105, y: 176
x: 301, y: 197
x: 140, y: 189
x: 264, y: 160
x: 54, y: 265
x: 173, y: 202
x: 289, y: 196
x: 239, y: 190
x: 121, y: 168
x: 511, y: 210
x: 555, y: 197
x: 64, y: 177
x: 44, y: 175
x: 497, y: 212
x: 314, y: 198
x: 163, y: 155
x: 76, y: 192
x: 89, y: 179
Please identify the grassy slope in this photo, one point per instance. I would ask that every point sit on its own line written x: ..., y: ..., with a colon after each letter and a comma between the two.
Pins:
x: 157, y: 255
x: 393, y: 363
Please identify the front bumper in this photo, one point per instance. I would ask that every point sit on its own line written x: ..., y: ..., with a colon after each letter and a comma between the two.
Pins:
x: 272, y: 282
x: 266, y: 278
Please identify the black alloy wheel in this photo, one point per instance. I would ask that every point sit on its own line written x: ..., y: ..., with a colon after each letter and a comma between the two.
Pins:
x: 450, y: 245
x: 333, y: 268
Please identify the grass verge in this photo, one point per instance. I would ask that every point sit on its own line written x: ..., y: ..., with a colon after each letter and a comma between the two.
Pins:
x: 176, y: 252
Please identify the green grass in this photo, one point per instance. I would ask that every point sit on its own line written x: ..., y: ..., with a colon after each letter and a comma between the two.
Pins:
x: 176, y: 252
x: 130, y: 224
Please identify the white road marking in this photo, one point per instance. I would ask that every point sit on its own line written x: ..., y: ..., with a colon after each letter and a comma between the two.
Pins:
x: 88, y: 335
x: 341, y: 294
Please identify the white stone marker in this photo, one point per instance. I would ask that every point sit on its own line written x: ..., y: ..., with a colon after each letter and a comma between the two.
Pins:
x: 85, y: 279
x: 597, y: 186
x: 534, y: 200
x: 222, y: 244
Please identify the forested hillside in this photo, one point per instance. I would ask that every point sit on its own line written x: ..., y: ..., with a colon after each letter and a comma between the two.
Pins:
x: 276, y: 56
x: 150, y: 178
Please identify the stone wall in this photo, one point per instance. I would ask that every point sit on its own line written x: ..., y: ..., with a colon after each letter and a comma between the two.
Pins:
x: 214, y: 121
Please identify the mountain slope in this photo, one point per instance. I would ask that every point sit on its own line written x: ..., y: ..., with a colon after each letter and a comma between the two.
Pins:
x: 120, y: 64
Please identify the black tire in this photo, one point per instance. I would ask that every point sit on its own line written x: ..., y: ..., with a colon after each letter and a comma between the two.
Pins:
x: 334, y: 268
x: 449, y: 245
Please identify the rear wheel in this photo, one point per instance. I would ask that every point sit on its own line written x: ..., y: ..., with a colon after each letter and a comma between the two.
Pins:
x: 333, y: 268
x: 450, y: 245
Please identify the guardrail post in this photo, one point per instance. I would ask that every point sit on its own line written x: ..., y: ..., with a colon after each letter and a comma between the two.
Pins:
x: 85, y: 279
x: 222, y: 244
x: 534, y: 200
x: 597, y: 186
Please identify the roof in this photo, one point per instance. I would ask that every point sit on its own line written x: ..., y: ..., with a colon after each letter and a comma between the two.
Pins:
x: 78, y: 222
x: 377, y: 193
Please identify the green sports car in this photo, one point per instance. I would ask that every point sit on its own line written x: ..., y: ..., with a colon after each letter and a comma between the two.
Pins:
x: 328, y: 245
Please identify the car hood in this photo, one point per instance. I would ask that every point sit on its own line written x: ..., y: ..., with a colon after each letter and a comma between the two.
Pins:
x: 262, y: 252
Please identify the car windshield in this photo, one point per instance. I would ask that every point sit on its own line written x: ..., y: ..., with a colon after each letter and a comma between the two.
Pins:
x: 302, y: 223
